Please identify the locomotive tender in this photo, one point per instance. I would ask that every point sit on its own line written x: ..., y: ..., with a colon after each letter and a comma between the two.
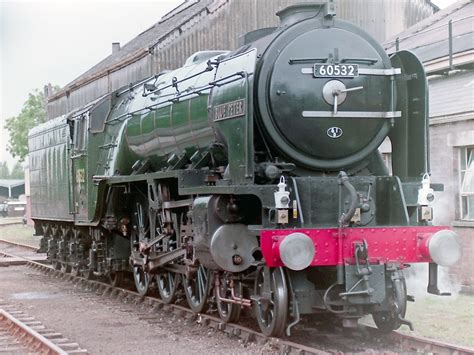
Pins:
x: 252, y: 178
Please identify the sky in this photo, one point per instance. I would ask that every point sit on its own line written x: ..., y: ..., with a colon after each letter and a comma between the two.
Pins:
x: 56, y: 41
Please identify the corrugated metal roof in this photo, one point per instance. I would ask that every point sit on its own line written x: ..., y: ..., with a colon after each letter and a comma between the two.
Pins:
x: 175, y: 22
x: 11, y: 182
x: 148, y: 38
x: 429, y: 39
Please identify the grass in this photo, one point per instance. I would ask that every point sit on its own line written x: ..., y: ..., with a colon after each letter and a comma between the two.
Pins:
x: 449, y: 319
x: 20, y: 234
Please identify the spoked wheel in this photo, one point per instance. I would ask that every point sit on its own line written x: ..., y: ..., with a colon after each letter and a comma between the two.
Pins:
x: 389, y: 320
x: 116, y: 278
x: 140, y: 234
x: 142, y: 280
x: 168, y: 286
x: 271, y: 301
x: 197, y: 290
x: 229, y: 312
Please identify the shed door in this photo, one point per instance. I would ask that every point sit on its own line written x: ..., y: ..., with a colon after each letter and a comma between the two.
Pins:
x: 79, y: 166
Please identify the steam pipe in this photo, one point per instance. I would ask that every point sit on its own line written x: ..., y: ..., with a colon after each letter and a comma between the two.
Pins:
x: 346, y: 217
x: 450, y: 43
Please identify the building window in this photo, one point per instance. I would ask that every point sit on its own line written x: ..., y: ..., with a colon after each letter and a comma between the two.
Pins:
x: 387, y: 159
x: 467, y: 182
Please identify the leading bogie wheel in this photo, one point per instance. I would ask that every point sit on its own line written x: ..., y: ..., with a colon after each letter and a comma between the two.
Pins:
x: 387, y: 321
x: 271, y: 301
x: 197, y: 288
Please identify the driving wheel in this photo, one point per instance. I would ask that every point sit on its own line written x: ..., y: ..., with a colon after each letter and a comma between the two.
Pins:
x: 167, y: 284
x: 197, y: 289
x: 142, y: 280
x: 139, y: 234
x: 229, y: 312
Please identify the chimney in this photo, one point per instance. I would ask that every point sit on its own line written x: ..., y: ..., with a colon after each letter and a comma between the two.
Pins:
x: 302, y: 11
x: 115, y: 47
x: 48, y: 90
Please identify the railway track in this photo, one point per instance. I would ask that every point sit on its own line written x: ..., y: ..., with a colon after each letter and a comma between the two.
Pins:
x: 428, y: 346
x: 399, y: 342
x: 12, y: 253
x: 5, y: 244
x: 22, y: 334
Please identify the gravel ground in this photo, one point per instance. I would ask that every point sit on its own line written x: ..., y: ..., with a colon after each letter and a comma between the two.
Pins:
x: 106, y: 326
x: 429, y: 314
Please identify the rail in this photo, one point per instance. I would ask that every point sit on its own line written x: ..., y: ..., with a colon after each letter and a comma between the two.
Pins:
x: 27, y: 336
x: 21, y: 245
x: 409, y: 343
x: 417, y: 343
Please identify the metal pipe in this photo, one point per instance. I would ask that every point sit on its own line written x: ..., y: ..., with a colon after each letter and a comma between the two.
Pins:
x: 298, y: 202
x: 240, y: 300
x: 346, y: 216
x: 450, y: 41
x: 131, y: 87
x: 235, y: 299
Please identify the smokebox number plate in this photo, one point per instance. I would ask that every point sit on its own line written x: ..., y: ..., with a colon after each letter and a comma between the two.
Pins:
x: 336, y: 70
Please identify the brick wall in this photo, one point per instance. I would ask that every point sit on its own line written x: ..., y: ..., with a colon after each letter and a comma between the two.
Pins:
x: 445, y: 169
x: 464, y: 270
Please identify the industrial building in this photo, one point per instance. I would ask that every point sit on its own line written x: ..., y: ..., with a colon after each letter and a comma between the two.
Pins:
x: 445, y: 44
x: 215, y: 24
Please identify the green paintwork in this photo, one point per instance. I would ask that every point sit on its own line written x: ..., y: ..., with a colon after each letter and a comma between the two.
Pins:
x: 172, y: 127
x: 410, y: 136
x: 49, y: 170
x: 236, y: 133
x: 165, y: 128
x: 285, y: 93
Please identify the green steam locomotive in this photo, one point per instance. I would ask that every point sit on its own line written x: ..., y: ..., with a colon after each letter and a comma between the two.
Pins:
x: 252, y: 178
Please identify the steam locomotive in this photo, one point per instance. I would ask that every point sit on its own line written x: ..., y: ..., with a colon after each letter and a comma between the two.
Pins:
x: 252, y: 178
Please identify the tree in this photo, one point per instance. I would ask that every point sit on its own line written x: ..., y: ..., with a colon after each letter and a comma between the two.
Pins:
x: 32, y: 114
x: 4, y: 172
x: 18, y: 172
